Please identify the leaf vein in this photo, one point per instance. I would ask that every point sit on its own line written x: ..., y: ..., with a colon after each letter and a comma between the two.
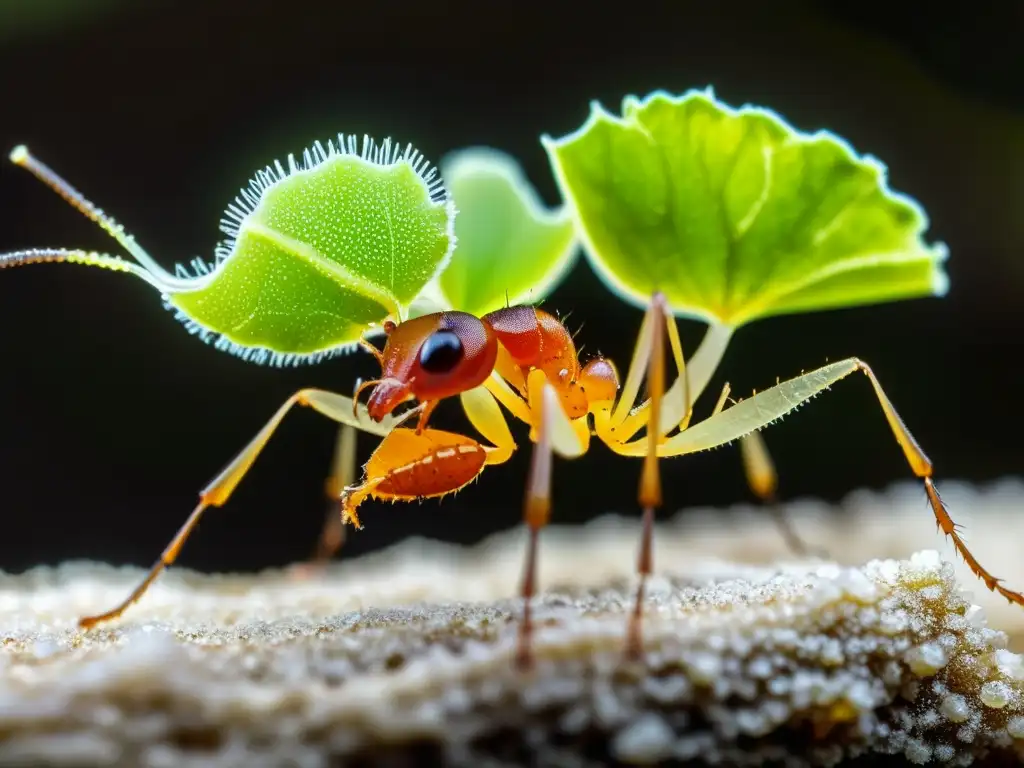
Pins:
x: 350, y: 280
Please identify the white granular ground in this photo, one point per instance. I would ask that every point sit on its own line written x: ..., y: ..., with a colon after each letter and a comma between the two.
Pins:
x: 406, y: 657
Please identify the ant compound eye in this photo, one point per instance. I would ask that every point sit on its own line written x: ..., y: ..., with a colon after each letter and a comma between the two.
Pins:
x: 441, y: 352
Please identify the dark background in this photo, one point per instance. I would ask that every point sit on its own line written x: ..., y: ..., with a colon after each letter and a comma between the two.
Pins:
x: 113, y: 416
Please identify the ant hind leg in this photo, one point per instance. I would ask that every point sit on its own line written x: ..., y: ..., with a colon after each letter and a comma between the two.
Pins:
x: 764, y: 481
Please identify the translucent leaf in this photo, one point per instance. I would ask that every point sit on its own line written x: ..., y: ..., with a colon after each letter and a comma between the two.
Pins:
x: 735, y: 215
x: 322, y: 251
x: 510, y: 248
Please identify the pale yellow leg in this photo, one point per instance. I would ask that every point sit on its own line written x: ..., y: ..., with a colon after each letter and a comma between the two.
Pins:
x: 484, y: 414
x: 692, y: 378
x: 545, y: 403
x: 677, y: 403
x: 722, y: 398
x: 765, y: 407
x: 662, y: 412
x: 334, y: 406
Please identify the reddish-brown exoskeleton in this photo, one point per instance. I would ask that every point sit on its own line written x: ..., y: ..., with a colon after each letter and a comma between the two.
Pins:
x: 451, y: 353
x: 524, y: 359
x: 445, y: 354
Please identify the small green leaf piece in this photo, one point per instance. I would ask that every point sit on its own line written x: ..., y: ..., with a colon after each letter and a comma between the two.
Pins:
x: 510, y: 247
x: 735, y: 215
x: 322, y: 251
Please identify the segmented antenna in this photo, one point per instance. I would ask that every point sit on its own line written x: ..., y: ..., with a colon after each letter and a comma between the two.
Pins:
x: 166, y: 281
x: 192, y: 276
x: 75, y: 256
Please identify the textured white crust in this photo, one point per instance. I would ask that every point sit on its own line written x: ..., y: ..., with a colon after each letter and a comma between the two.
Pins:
x: 409, y: 651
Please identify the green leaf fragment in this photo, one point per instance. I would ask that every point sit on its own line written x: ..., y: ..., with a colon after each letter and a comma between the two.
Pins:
x: 323, y: 251
x: 735, y: 215
x: 263, y: 296
x: 510, y: 247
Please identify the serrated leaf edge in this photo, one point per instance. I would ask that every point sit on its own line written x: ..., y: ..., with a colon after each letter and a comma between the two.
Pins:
x: 386, y: 154
x: 491, y: 160
x: 631, y: 104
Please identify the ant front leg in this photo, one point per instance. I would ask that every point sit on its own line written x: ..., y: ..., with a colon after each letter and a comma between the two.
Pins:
x: 334, y: 406
x: 413, y: 463
x: 764, y: 481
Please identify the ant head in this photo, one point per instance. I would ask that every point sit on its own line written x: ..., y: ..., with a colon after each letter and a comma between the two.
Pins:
x: 430, y: 358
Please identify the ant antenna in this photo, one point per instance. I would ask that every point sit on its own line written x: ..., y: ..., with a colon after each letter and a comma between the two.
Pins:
x: 20, y: 156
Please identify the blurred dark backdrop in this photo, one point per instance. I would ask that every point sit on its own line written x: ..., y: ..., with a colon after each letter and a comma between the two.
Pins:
x: 113, y: 416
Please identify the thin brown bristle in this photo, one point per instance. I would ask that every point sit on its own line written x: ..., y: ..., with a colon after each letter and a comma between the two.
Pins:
x: 951, y: 529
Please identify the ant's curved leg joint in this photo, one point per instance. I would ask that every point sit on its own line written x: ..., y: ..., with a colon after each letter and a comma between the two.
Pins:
x: 765, y: 407
x: 334, y: 406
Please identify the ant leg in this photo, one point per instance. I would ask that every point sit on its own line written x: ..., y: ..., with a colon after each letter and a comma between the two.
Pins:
x: 662, y: 412
x: 627, y: 418
x: 763, y: 481
x: 544, y: 402
x: 649, y: 495
x: 722, y: 398
x: 768, y: 405
x: 617, y: 424
x: 554, y: 433
x: 692, y: 379
x: 409, y: 464
x: 343, y: 474
x: 334, y: 406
